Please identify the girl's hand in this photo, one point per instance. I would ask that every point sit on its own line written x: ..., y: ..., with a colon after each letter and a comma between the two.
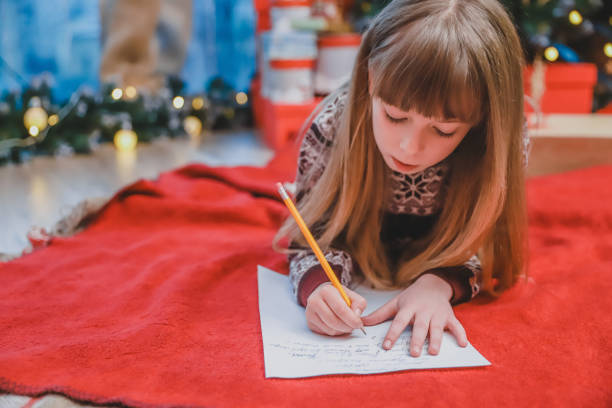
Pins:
x: 327, y: 313
x: 424, y: 304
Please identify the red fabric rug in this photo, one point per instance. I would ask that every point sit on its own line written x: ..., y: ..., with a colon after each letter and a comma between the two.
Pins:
x: 155, y: 304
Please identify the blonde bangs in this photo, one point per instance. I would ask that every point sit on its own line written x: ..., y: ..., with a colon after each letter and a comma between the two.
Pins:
x: 428, y: 70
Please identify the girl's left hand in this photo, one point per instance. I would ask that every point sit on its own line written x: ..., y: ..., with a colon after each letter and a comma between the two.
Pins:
x: 424, y: 304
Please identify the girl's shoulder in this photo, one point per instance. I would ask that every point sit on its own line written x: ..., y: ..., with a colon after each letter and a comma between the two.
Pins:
x: 325, y: 123
x: 319, y: 139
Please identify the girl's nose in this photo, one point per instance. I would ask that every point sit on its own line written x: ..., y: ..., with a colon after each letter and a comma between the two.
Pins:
x: 412, y: 142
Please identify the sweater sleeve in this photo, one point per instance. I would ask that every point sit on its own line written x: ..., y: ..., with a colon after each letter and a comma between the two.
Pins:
x: 465, y: 280
x: 305, y: 271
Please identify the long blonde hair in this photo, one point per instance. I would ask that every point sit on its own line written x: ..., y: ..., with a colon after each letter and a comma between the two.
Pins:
x: 444, y: 59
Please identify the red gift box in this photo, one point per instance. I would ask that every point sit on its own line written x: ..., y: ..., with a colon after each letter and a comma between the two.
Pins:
x: 568, y: 87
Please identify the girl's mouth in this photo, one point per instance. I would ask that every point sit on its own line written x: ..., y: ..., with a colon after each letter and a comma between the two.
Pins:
x: 403, y: 167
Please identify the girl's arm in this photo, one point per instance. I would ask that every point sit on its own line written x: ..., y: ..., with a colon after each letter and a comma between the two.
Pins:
x: 305, y: 271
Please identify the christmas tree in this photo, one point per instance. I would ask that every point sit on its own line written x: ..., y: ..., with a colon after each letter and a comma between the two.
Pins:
x: 569, y: 31
x: 556, y: 31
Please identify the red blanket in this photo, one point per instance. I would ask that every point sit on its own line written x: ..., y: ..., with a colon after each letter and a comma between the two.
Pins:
x: 155, y: 304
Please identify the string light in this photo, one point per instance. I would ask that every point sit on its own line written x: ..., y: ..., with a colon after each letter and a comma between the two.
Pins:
x: 193, y: 126
x: 117, y: 93
x: 575, y: 17
x: 35, y: 117
x: 53, y: 119
x: 551, y: 54
x: 125, y: 140
x: 241, y: 98
x: 178, y: 102
x: 84, y: 105
x: 131, y: 92
x: 608, y: 49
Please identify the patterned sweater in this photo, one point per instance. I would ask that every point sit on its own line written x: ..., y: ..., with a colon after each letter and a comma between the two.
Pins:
x: 411, y: 209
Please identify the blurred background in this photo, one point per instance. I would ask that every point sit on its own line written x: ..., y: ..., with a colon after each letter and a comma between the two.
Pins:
x: 97, y: 94
x: 197, y: 40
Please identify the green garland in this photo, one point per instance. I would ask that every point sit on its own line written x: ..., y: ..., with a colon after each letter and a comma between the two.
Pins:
x: 89, y: 118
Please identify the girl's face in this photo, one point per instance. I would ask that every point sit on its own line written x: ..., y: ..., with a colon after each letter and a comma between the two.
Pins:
x: 410, y: 142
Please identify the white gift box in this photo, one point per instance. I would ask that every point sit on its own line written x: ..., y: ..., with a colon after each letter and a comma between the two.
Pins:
x: 283, y: 45
x: 282, y: 12
x: 291, y: 81
x: 336, y: 57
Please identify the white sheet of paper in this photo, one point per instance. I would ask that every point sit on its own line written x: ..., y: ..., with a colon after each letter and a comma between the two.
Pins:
x: 292, y: 350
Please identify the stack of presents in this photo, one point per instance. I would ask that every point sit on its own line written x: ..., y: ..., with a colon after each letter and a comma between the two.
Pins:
x: 305, y: 50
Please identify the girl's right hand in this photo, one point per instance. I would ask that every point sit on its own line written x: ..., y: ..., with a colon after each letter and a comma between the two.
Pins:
x: 327, y: 313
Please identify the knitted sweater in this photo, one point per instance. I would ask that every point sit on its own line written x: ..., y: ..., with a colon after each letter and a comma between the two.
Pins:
x: 412, y: 207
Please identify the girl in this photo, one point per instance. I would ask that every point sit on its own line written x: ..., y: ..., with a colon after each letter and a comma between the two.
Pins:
x: 412, y: 176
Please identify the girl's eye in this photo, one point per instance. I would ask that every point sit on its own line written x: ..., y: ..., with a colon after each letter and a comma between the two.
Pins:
x: 441, y: 133
x: 394, y: 120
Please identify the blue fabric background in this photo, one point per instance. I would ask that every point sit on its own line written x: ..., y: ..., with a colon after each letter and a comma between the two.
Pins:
x: 62, y: 37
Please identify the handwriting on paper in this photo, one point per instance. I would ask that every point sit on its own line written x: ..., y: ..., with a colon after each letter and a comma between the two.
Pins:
x: 356, y: 354
x: 292, y: 350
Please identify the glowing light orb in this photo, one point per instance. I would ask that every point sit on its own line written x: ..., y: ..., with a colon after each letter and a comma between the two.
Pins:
x: 35, y: 116
x: 131, y: 92
x: 117, y: 94
x: 241, y: 98
x: 53, y: 119
x: 125, y: 140
x: 551, y: 54
x: 193, y: 126
x: 575, y: 17
x: 178, y: 102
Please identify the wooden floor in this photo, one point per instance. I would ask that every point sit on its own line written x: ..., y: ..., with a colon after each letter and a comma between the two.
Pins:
x: 41, y: 191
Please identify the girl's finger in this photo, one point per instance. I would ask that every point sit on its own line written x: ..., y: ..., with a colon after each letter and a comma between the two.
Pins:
x: 399, y: 324
x: 315, y: 324
x: 330, y: 319
x: 358, y: 302
x: 343, y: 313
x: 385, y: 312
x: 314, y: 321
x: 436, y: 329
x: 322, y: 328
x: 419, y: 333
x: 458, y: 331
x: 329, y: 330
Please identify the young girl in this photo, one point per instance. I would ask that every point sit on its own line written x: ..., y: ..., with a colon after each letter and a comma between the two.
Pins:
x: 412, y: 176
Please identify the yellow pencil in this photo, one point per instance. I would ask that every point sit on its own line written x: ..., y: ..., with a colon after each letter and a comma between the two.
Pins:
x: 313, y: 244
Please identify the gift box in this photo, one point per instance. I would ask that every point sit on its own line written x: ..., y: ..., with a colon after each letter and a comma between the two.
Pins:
x: 568, y: 87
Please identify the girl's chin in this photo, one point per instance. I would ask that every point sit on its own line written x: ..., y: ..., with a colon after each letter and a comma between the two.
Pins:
x: 402, y: 167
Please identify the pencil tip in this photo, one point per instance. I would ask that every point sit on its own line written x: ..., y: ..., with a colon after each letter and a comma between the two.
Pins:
x: 364, y: 332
